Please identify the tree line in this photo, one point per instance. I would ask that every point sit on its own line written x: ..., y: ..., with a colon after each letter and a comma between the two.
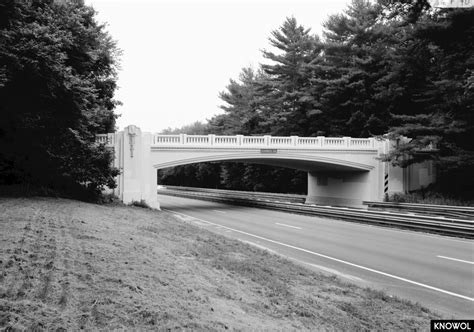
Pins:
x: 58, y: 72
x: 381, y: 68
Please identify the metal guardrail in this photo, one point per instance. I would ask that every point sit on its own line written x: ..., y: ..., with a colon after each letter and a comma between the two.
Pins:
x: 462, y: 212
x: 440, y: 225
x: 292, y: 198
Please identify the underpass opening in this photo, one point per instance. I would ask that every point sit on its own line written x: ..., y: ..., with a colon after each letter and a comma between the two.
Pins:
x: 324, y: 181
x: 236, y: 176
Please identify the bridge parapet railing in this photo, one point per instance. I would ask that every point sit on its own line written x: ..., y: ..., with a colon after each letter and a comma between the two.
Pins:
x: 253, y: 140
x: 309, y: 141
x: 362, y: 142
x: 226, y: 140
x: 166, y: 139
x: 334, y: 142
x: 282, y: 140
x: 197, y: 139
x: 107, y: 139
x: 319, y: 142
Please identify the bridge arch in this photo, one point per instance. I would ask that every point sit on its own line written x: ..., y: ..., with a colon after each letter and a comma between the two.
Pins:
x: 283, y: 159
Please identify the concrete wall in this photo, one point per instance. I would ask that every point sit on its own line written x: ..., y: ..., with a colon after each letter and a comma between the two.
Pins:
x: 342, y: 188
x: 414, y: 177
x: 420, y: 175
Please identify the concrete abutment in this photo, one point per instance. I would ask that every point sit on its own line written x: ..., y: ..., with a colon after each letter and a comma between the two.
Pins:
x: 339, y: 189
x: 137, y: 181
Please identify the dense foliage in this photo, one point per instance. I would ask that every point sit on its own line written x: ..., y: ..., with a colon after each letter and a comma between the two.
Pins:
x: 57, y: 81
x: 386, y: 67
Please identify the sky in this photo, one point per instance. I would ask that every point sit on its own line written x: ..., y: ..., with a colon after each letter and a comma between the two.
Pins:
x: 178, y: 55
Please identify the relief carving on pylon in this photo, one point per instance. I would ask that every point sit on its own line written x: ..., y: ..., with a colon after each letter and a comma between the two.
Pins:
x: 132, y: 133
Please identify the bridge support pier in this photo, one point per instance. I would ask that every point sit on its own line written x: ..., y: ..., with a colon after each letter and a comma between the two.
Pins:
x: 338, y: 188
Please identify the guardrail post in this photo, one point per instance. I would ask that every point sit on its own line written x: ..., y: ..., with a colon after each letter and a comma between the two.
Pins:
x: 372, y: 142
x: 347, y: 141
x: 267, y: 139
x: 182, y: 138
x: 240, y: 139
x: 294, y: 140
x: 320, y: 141
x: 212, y: 138
x: 111, y: 139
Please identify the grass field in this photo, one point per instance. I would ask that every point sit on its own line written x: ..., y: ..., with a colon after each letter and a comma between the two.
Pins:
x: 68, y: 265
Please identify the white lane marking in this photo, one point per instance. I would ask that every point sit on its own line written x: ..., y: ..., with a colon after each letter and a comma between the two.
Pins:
x: 219, y: 211
x: 277, y: 223
x: 332, y: 271
x: 338, y: 260
x: 184, y: 218
x: 258, y: 246
x: 456, y: 259
x: 191, y: 219
x: 319, y: 267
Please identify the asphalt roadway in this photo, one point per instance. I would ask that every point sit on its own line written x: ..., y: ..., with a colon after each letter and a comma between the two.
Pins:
x: 436, y: 271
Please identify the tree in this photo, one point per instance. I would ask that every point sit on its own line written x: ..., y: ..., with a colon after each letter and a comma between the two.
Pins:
x: 242, y: 106
x: 288, y: 108
x: 351, y: 77
x: 196, y: 128
x: 435, y: 108
x: 58, y: 71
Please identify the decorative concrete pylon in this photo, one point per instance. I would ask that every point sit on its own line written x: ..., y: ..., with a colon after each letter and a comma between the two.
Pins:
x: 138, y: 178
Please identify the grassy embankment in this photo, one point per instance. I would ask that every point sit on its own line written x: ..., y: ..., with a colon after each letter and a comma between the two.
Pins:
x: 430, y: 197
x: 69, y: 265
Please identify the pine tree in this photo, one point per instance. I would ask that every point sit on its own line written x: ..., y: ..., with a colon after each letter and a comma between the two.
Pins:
x: 287, y: 108
x: 351, y: 78
x: 437, y: 77
x: 242, y: 100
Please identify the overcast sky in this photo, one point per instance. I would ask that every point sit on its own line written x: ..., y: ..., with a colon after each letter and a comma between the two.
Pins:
x: 178, y: 55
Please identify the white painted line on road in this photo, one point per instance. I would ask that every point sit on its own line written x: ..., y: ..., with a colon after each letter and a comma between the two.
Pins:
x: 191, y: 219
x: 456, y: 259
x: 319, y: 267
x: 219, y: 211
x: 332, y: 271
x: 184, y: 218
x: 277, y: 223
x: 338, y: 260
x: 258, y: 246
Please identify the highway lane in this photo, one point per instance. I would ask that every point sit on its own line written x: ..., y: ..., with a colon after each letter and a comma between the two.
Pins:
x: 433, y: 270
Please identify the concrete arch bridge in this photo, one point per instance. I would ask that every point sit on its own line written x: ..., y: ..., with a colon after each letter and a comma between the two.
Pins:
x: 341, y: 170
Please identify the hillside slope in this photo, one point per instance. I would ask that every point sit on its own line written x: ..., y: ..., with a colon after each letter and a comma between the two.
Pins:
x: 69, y: 265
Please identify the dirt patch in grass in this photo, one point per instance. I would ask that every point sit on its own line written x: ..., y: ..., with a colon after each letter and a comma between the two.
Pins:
x: 71, y: 265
